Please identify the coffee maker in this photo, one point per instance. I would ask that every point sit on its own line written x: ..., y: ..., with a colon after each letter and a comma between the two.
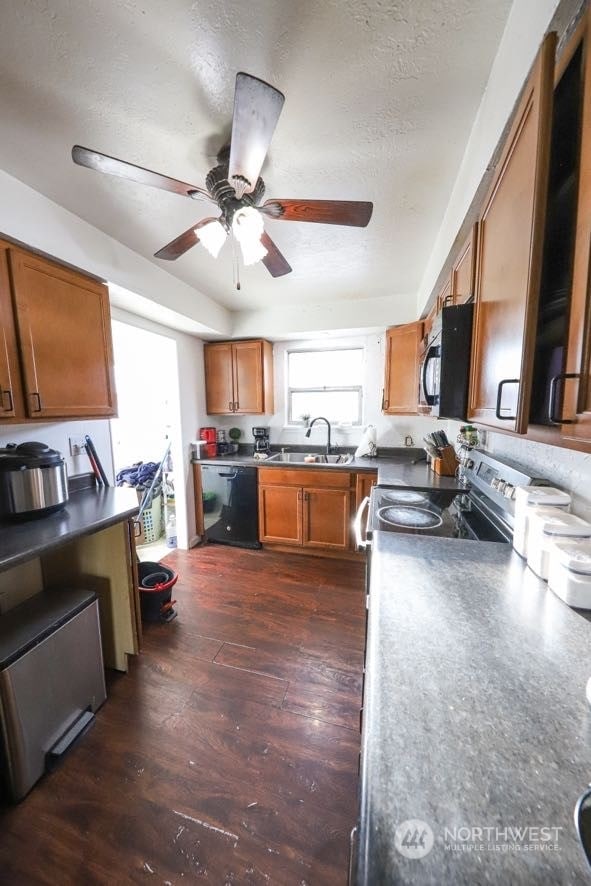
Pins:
x: 261, y: 440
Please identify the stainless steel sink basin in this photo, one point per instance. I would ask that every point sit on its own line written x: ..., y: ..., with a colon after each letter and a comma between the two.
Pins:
x: 310, y: 458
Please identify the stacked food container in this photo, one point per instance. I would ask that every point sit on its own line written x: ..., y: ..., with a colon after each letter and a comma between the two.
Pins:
x: 556, y: 543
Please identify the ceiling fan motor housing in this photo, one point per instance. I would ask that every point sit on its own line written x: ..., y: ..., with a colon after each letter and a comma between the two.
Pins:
x: 224, y: 194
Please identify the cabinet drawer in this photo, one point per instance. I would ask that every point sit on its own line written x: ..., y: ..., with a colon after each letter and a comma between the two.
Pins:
x: 302, y: 477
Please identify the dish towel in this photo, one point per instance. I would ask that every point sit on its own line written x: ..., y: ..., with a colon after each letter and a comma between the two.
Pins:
x: 367, y: 446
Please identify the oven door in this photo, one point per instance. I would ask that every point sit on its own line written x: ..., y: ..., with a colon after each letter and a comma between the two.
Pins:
x: 429, y: 378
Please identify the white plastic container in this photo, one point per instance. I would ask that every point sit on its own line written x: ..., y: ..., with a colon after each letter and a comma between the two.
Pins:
x: 198, y: 450
x: 545, y: 526
x: 528, y: 497
x: 569, y: 572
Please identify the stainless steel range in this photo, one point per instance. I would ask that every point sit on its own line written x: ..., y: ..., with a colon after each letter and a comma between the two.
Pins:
x: 482, y: 509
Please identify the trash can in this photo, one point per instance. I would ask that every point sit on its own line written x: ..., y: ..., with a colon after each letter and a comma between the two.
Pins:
x: 156, y: 582
x: 51, y: 682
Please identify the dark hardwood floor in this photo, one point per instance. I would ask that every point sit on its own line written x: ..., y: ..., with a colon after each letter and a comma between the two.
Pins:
x: 229, y: 753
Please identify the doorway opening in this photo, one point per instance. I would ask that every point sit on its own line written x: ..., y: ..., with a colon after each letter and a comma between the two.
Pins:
x: 147, y: 382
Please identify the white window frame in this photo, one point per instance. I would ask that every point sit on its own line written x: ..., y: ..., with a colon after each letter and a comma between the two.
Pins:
x: 289, y: 390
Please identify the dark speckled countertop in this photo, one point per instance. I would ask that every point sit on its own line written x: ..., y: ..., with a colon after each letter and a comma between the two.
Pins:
x: 474, y: 717
x: 395, y: 467
x: 87, y: 511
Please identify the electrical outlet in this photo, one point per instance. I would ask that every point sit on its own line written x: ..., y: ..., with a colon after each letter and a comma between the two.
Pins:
x: 77, y: 446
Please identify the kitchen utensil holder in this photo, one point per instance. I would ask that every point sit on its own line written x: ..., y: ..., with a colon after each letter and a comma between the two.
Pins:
x: 446, y: 463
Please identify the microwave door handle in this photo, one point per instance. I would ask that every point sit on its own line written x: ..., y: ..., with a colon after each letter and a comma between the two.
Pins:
x: 360, y: 542
x: 430, y: 355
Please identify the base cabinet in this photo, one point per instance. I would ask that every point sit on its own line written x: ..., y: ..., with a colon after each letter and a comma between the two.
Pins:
x: 280, y: 514
x: 305, y: 508
x: 326, y: 520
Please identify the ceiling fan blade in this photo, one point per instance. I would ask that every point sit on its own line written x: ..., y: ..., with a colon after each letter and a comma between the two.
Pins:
x: 325, y: 212
x: 182, y: 243
x: 274, y: 261
x: 257, y: 107
x: 113, y: 166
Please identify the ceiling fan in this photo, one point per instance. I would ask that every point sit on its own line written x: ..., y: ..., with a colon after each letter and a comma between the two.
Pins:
x: 235, y: 185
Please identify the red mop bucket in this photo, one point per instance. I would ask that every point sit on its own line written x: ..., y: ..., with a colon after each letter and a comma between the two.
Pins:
x: 155, y: 585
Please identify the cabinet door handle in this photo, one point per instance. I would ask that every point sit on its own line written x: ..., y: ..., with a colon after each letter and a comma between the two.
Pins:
x: 38, y: 396
x: 236, y: 406
x: 505, y: 381
x: 230, y: 406
x: 562, y: 376
x: 8, y: 393
x: 306, y: 496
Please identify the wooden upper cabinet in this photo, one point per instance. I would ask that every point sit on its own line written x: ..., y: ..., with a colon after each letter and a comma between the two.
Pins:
x: 509, y: 260
x: 401, y: 386
x: 248, y: 372
x: 11, y: 398
x: 63, y: 334
x: 239, y: 377
x: 219, y: 378
x: 463, y: 272
x: 444, y: 297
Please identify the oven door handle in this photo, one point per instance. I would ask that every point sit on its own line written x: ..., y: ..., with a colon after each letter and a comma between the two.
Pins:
x: 360, y: 542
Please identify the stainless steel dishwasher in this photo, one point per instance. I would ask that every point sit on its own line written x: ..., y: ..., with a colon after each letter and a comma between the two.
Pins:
x: 230, y: 505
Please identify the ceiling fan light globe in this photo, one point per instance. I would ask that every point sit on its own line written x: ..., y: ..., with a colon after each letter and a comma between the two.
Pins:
x: 252, y: 252
x: 248, y: 228
x: 212, y: 236
x: 247, y: 224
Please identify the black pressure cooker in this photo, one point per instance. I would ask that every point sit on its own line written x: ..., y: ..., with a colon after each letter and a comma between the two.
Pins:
x: 33, y: 481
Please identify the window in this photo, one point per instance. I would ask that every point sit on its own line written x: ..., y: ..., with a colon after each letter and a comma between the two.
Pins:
x: 327, y: 383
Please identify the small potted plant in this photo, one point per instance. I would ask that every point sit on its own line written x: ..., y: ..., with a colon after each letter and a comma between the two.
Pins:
x: 234, y: 434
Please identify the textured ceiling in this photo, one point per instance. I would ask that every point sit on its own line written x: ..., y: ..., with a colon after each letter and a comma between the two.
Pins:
x: 380, y: 98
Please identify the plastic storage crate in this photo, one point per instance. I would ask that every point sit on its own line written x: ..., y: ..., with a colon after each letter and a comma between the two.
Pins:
x: 151, y: 522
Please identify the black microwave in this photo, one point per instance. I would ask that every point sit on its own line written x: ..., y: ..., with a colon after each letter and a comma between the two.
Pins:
x: 444, y: 365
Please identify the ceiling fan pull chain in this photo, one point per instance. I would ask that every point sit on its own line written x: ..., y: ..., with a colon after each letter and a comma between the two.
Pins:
x: 235, y: 263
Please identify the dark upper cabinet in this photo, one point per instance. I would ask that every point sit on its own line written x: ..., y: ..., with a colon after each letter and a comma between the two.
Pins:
x: 562, y: 370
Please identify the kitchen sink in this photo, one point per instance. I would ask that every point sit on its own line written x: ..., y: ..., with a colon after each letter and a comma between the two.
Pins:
x: 310, y: 458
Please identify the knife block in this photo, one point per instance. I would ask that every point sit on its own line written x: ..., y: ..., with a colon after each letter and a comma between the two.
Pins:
x: 445, y: 465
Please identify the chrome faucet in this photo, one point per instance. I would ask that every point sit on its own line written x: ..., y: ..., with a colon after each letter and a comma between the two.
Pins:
x: 312, y: 423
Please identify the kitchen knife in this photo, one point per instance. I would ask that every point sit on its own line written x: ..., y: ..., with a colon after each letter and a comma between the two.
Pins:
x: 431, y: 448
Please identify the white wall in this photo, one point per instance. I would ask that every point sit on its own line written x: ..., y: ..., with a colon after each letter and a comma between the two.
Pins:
x: 342, y: 317
x: 191, y: 415
x: 38, y: 222
x: 56, y: 435
x: 526, y: 25
x: 391, y: 431
x: 565, y: 468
